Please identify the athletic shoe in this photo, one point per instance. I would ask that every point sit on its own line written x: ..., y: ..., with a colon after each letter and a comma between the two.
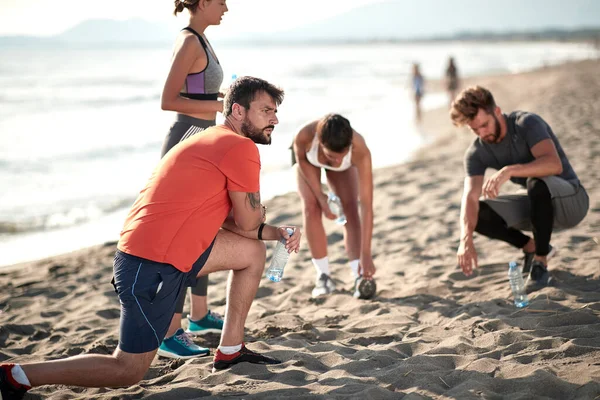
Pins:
x: 211, y: 323
x: 539, y: 277
x: 363, y: 288
x: 528, y: 258
x: 10, y: 389
x: 224, y: 361
x: 181, y: 346
x: 323, y: 285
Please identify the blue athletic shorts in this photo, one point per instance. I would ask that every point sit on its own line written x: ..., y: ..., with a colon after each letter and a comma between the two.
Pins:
x: 148, y: 293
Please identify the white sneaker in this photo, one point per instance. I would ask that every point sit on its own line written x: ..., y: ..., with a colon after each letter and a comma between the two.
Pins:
x: 323, y: 285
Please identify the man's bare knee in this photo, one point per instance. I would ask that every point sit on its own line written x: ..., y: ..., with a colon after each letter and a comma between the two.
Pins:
x: 132, y: 367
x: 257, y: 255
x: 131, y: 377
x: 259, y: 252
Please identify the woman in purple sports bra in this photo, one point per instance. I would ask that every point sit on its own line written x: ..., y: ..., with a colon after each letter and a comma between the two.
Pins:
x: 192, y: 90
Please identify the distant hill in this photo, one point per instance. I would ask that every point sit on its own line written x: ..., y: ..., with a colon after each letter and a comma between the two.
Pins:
x: 391, y: 20
x: 103, y: 31
x: 111, y: 31
x: 422, y: 19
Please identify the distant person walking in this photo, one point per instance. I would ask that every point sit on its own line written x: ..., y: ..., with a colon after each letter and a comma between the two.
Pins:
x: 418, y: 86
x: 452, y: 80
x: 192, y: 90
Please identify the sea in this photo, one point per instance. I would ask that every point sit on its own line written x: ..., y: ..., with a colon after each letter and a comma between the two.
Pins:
x: 81, y: 127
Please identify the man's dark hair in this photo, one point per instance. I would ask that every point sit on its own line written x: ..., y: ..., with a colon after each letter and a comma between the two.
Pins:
x: 466, y: 105
x: 335, y: 132
x: 244, y: 90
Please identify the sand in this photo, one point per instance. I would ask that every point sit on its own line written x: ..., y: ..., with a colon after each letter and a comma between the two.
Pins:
x: 431, y: 332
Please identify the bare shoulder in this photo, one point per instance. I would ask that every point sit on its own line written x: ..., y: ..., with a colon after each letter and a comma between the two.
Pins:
x: 359, y: 145
x: 188, y: 43
x: 306, y: 134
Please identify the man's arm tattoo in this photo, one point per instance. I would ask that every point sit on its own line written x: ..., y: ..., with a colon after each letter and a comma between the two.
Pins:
x: 254, y: 199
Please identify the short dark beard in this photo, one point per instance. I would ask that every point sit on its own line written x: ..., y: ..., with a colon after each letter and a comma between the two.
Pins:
x: 497, y: 133
x: 257, y: 135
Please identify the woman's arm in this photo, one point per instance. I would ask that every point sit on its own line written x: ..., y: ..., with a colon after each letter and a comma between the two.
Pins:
x: 362, y: 160
x: 364, y: 166
x: 302, y: 143
x: 186, y: 54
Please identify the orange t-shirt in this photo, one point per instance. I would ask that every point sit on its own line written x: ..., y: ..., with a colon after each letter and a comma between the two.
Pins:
x: 179, y: 212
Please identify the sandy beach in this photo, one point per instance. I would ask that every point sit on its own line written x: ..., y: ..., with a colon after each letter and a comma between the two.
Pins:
x: 431, y: 332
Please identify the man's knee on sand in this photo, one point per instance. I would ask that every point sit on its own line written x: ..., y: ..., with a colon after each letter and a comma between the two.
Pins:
x: 131, y: 368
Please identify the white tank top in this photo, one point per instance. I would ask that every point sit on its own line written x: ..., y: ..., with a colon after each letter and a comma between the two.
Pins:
x: 312, y: 155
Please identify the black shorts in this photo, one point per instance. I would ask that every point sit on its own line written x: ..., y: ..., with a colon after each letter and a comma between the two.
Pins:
x: 148, y: 293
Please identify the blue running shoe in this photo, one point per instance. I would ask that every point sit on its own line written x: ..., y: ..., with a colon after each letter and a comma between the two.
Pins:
x: 211, y: 323
x: 181, y: 346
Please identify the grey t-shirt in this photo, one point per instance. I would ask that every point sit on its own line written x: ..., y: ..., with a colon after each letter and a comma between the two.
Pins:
x: 524, y: 130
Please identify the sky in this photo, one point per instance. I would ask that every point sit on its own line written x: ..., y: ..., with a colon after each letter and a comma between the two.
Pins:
x: 49, y: 17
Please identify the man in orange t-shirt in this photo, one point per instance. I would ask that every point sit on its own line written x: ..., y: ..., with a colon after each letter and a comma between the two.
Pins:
x: 199, y: 213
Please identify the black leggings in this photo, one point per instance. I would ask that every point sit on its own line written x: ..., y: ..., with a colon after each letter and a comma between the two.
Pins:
x: 184, y: 127
x: 492, y: 225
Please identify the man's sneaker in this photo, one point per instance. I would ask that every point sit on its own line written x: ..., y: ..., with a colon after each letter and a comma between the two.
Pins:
x: 528, y: 258
x: 363, y: 288
x: 539, y: 277
x: 10, y: 389
x: 224, y: 361
x: 181, y: 346
x: 211, y: 323
x: 323, y: 285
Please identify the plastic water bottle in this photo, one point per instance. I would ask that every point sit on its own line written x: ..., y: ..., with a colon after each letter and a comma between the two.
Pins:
x: 233, y: 78
x: 279, y: 259
x: 335, y: 205
x: 517, y: 285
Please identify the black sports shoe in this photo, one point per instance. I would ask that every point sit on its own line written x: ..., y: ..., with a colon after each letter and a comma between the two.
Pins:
x: 9, y: 388
x: 528, y: 258
x: 364, y: 289
x: 224, y: 361
x: 539, y: 277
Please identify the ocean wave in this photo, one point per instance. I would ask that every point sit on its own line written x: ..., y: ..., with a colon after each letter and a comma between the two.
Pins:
x: 64, y: 218
x: 41, y: 103
x: 106, y: 153
x: 105, y: 82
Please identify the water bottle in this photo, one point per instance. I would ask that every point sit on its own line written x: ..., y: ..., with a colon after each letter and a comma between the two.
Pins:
x: 233, y: 78
x: 335, y: 205
x: 279, y: 259
x: 517, y: 285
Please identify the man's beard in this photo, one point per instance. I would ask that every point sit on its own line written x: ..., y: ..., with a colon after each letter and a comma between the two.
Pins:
x: 257, y: 135
x: 495, y: 137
